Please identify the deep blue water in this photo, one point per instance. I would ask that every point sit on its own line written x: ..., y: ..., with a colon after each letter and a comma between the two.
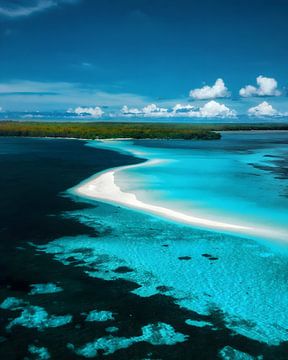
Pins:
x: 169, y: 291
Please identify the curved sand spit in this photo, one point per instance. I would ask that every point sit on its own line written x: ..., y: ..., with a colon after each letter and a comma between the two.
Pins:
x: 104, y: 187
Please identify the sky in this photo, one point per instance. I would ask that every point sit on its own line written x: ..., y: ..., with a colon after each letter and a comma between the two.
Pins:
x: 158, y: 58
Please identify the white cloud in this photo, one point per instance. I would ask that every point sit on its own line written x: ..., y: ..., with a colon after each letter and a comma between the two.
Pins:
x: 210, y: 109
x: 213, y: 109
x: 154, y: 109
x: 263, y: 109
x: 148, y: 111
x: 218, y: 90
x: 179, y: 108
x: 87, y: 111
x: 266, y: 87
x: 29, y: 7
x: 130, y: 111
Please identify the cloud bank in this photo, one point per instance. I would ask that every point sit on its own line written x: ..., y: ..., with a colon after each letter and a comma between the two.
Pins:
x: 266, y: 87
x: 29, y: 97
x: 213, y: 109
x: 87, y: 111
x: 179, y: 108
x: 218, y: 90
x: 149, y: 110
x: 262, y: 110
x: 209, y: 110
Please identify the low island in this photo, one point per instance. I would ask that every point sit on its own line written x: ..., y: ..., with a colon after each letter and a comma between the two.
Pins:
x: 104, y: 130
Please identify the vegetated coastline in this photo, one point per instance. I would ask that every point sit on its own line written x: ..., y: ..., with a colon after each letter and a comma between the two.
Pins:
x: 97, y: 130
x: 105, y: 130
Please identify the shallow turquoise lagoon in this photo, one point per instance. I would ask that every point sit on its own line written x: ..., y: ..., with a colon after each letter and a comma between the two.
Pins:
x: 225, y: 280
x: 84, y: 278
x: 243, y: 178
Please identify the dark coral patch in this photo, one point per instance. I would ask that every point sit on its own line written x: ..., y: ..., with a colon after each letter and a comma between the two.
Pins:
x: 184, y: 258
x: 123, y: 270
x: 210, y: 257
x: 163, y: 288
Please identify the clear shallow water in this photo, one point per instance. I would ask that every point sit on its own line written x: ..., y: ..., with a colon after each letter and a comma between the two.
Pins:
x: 243, y: 179
x: 204, y: 272
x: 174, y: 292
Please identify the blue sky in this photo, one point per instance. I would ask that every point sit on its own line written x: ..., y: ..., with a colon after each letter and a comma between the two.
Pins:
x: 61, y: 54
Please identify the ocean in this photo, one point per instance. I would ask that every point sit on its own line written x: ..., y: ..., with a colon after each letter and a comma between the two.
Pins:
x: 82, y: 278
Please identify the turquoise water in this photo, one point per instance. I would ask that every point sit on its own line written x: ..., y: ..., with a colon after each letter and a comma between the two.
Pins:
x: 236, y: 180
x: 243, y: 178
x: 82, y: 278
x: 222, y: 279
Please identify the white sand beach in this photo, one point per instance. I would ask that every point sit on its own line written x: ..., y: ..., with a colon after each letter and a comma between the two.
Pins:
x: 104, y: 187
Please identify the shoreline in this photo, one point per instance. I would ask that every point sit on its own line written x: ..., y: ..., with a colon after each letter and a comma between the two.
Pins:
x: 136, y: 139
x: 103, y: 140
x: 132, y: 130
x: 103, y: 187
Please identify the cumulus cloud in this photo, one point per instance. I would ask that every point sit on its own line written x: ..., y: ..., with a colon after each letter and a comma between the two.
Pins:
x: 87, y: 111
x: 149, y: 111
x: 179, y: 108
x: 263, y: 109
x: 218, y: 90
x: 213, y: 109
x: 130, y: 111
x: 28, y: 7
x: 210, y: 109
x: 266, y: 87
x: 154, y: 109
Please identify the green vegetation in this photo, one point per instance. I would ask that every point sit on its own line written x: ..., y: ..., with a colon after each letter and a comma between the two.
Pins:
x: 107, y: 130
